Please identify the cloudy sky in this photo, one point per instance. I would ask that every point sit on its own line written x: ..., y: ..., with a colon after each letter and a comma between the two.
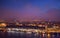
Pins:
x: 30, y: 9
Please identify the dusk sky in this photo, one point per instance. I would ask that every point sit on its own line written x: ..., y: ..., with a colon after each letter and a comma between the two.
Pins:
x: 30, y: 9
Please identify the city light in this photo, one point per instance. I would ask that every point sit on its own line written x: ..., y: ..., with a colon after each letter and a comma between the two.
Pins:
x: 3, y: 24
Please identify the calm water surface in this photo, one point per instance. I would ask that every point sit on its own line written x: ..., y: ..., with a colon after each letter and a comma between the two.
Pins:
x: 27, y: 35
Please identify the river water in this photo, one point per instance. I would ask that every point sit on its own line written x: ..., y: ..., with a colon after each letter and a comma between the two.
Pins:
x: 14, y: 34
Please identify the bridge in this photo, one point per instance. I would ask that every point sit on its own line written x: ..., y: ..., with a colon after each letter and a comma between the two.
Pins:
x: 30, y: 30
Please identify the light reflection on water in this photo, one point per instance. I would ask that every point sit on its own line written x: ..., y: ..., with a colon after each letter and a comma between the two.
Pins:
x: 14, y: 34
